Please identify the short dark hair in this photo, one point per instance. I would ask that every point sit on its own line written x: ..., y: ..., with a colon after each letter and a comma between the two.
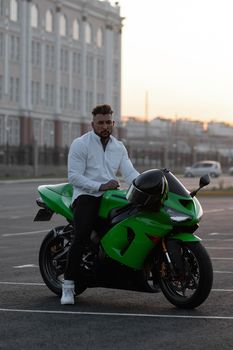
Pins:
x: 102, y: 109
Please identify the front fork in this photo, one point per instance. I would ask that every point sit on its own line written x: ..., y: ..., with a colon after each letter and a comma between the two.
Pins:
x: 170, y: 264
x: 172, y: 252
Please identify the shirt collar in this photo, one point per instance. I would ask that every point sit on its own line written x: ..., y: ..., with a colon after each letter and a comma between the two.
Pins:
x: 96, y: 137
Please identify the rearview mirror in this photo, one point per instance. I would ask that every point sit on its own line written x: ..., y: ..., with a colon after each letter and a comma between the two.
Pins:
x: 204, y: 180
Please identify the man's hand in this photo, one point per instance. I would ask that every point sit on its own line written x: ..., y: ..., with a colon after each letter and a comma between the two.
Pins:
x: 110, y: 185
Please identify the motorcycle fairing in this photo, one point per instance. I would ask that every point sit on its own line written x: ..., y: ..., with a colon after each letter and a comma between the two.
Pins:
x: 58, y: 198
x: 116, y: 241
x: 186, y: 237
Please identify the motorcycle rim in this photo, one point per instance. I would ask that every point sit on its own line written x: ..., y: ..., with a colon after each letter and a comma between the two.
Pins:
x: 52, y: 259
x: 191, y: 288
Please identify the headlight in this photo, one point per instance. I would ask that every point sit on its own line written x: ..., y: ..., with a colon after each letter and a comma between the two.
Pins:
x: 176, y: 215
x: 199, y: 209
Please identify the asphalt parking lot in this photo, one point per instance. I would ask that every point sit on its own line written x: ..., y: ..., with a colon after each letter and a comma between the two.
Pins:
x: 31, y: 317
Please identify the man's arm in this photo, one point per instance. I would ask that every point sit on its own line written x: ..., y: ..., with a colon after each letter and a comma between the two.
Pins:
x: 77, y: 158
x: 127, y: 169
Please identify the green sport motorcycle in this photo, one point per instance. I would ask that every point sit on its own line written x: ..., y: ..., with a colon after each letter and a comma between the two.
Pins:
x: 142, y: 242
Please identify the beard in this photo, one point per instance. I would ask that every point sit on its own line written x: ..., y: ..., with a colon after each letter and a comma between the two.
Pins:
x: 104, y: 134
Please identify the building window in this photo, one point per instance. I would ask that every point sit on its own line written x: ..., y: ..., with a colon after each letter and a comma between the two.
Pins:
x: 14, y: 89
x: 100, y: 98
x: 34, y: 16
x: 88, y: 33
x: 64, y: 62
x: 116, y: 104
x: 75, y: 131
x: 1, y: 45
x: 90, y: 66
x: 2, y: 8
x: 49, y: 95
x: 77, y: 60
x: 89, y: 101
x: 2, y: 129
x: 62, y: 25
x: 99, y: 38
x: 14, y: 48
x: 100, y: 69
x: 35, y: 93
x: 37, y: 131
x: 65, y: 140
x: 63, y: 97
x: 116, y: 43
x: 49, y: 21
x: 36, y: 52
x: 49, y: 56
x: 116, y: 73
x: 14, y: 8
x: 48, y: 133
x: 1, y: 87
x: 76, y: 99
x: 76, y: 30
x: 13, y: 127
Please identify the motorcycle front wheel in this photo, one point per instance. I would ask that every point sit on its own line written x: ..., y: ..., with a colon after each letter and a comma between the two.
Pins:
x: 53, y: 256
x: 190, y: 288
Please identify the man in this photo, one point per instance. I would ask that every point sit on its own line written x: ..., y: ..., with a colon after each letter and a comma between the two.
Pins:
x: 93, y: 162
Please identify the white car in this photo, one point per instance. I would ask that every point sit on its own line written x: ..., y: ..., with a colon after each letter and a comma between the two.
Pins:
x: 210, y: 167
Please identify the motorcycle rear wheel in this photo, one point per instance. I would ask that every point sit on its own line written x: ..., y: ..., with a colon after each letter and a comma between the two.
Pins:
x: 52, y: 260
x: 192, y: 288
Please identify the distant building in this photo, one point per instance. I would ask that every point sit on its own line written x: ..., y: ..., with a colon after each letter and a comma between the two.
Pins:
x: 177, y: 142
x: 58, y: 59
x: 220, y: 129
x: 189, y: 127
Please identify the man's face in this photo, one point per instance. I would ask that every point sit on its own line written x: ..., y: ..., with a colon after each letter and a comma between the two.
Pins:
x: 102, y: 125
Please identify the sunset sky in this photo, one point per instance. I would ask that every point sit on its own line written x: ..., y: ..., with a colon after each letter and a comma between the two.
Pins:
x: 181, y: 53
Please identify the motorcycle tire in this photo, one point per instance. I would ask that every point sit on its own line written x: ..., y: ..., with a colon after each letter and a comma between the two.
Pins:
x: 55, y: 245
x: 192, y: 288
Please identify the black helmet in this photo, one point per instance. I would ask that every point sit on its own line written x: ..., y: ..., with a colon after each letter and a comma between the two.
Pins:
x: 148, y: 189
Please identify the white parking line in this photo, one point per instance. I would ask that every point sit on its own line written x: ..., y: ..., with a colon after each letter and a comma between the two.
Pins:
x: 221, y: 290
x: 25, y: 266
x: 23, y: 233
x: 22, y: 283
x: 213, y: 211
x: 117, y: 314
x: 220, y: 248
x: 220, y: 233
x: 215, y: 271
x: 37, y: 284
x: 217, y: 239
x: 221, y: 258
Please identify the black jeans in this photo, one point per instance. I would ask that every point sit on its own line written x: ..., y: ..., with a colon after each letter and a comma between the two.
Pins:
x: 85, y: 209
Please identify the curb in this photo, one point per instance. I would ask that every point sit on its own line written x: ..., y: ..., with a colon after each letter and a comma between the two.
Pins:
x: 8, y: 182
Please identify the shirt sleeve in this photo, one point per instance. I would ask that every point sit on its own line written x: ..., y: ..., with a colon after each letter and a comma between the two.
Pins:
x: 77, y: 158
x: 127, y: 169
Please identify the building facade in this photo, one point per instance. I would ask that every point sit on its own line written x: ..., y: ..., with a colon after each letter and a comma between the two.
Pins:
x: 58, y: 59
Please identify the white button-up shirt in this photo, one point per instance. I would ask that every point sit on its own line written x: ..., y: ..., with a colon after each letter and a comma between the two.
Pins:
x: 89, y: 165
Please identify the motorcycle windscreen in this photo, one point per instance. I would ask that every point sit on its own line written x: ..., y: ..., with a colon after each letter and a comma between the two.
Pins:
x: 174, y: 185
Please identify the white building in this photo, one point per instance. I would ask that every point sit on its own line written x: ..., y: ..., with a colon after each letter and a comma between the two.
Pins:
x: 58, y: 59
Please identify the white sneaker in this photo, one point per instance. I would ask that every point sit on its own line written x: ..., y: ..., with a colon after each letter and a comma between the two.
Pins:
x: 67, y: 293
